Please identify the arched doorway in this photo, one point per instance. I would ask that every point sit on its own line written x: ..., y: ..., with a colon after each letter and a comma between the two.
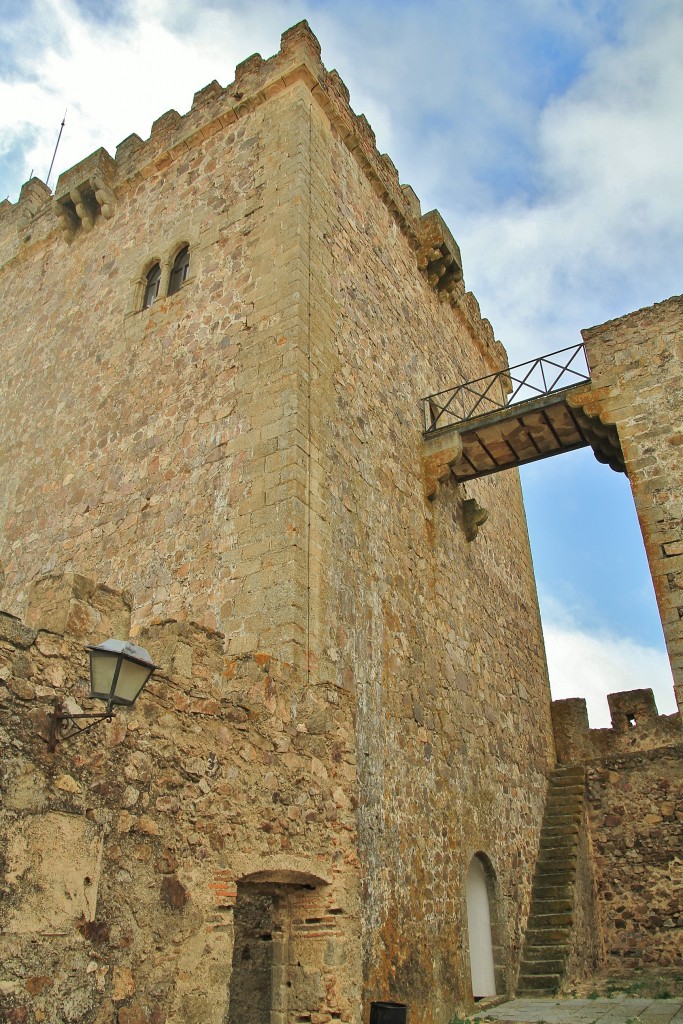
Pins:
x: 280, y: 923
x: 482, y: 964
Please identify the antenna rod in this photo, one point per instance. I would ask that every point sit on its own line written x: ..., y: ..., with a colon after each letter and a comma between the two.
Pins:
x: 61, y: 129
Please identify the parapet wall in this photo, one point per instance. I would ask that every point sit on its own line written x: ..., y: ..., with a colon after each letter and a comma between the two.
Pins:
x: 86, y: 194
x: 634, y: 774
x: 636, y: 726
x: 636, y: 821
x: 123, y: 853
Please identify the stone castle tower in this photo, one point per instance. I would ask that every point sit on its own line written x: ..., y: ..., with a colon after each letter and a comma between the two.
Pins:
x: 213, y: 350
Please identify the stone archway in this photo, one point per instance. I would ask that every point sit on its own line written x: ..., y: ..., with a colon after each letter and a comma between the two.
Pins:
x: 277, y: 914
x: 480, y: 927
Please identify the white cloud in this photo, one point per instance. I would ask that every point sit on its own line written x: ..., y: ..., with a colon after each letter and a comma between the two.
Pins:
x: 604, y: 234
x: 116, y: 80
x: 582, y: 664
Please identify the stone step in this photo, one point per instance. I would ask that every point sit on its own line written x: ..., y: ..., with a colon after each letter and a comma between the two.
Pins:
x: 535, y: 984
x: 569, y: 788
x: 543, y: 953
x: 550, y: 920
x: 544, y: 892
x: 568, y: 833
x: 547, y: 936
x: 553, y: 873
x: 556, y: 966
x: 563, y: 881
x: 561, y: 805
x: 551, y: 906
x: 565, y: 841
x: 561, y: 809
x: 553, y: 855
x: 560, y: 830
x: 548, y: 853
x: 562, y: 818
x: 567, y: 822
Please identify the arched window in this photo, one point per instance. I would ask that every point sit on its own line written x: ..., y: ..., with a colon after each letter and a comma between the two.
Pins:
x: 181, y: 268
x: 152, y: 285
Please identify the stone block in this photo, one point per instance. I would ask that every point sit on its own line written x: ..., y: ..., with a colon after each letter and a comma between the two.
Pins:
x: 72, y: 604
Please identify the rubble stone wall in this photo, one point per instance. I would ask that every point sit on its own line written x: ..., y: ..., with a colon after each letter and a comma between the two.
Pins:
x: 635, y: 822
x: 437, y: 637
x: 354, y: 699
x: 636, y: 806
x: 124, y: 852
x: 635, y: 365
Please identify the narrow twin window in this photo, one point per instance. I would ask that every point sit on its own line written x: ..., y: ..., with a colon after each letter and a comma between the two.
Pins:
x: 152, y: 286
x: 179, y: 274
x: 181, y: 268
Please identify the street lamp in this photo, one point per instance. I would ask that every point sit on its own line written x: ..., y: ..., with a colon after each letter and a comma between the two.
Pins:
x: 118, y: 672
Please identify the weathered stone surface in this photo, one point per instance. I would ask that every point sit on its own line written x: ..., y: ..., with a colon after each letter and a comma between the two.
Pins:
x: 352, y: 700
x: 634, y: 826
x: 14, y: 631
x: 636, y: 384
x: 637, y: 839
x: 122, y: 985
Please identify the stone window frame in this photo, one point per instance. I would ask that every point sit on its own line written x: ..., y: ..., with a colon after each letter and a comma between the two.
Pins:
x: 180, y: 269
x: 166, y: 262
x: 149, y: 283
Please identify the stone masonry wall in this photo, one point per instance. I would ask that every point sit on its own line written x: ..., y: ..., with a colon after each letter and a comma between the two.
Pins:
x: 586, y: 955
x: 635, y: 819
x: 438, y: 639
x: 245, y: 459
x: 122, y: 852
x: 155, y: 448
x: 636, y: 804
x: 635, y: 365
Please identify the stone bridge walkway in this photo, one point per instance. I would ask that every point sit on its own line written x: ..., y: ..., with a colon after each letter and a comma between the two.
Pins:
x: 615, y: 1010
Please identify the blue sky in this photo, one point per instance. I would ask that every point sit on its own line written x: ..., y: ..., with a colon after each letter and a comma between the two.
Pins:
x: 549, y: 135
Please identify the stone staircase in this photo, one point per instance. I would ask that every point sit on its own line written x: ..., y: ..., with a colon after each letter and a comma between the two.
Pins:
x: 546, y: 943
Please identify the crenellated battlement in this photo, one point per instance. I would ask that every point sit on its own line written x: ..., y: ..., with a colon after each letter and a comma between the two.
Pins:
x: 87, y: 192
x: 18, y: 221
x: 636, y: 726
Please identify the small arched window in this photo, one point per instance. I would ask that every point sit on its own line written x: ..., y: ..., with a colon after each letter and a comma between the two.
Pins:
x: 181, y: 269
x: 152, y: 285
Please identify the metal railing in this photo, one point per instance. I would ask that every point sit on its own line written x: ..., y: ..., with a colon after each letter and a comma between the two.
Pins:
x: 515, y: 384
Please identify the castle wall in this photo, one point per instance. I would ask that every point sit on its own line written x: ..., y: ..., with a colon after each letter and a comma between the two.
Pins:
x: 635, y: 365
x: 158, y: 449
x: 437, y: 638
x: 637, y: 831
x: 245, y: 458
x: 635, y: 822
x: 125, y: 853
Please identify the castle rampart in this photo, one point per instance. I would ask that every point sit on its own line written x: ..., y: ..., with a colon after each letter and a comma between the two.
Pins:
x: 215, y: 109
x: 635, y: 363
x: 125, y: 852
x: 634, y: 790
x: 636, y: 727
x: 241, y: 454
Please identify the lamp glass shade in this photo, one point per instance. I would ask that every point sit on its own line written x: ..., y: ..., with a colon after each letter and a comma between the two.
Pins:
x: 118, y: 671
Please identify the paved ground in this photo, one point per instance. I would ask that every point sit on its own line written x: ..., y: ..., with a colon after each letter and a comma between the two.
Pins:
x: 617, y: 1010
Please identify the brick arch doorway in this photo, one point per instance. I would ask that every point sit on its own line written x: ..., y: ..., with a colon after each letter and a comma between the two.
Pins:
x: 479, y: 928
x: 276, y: 915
